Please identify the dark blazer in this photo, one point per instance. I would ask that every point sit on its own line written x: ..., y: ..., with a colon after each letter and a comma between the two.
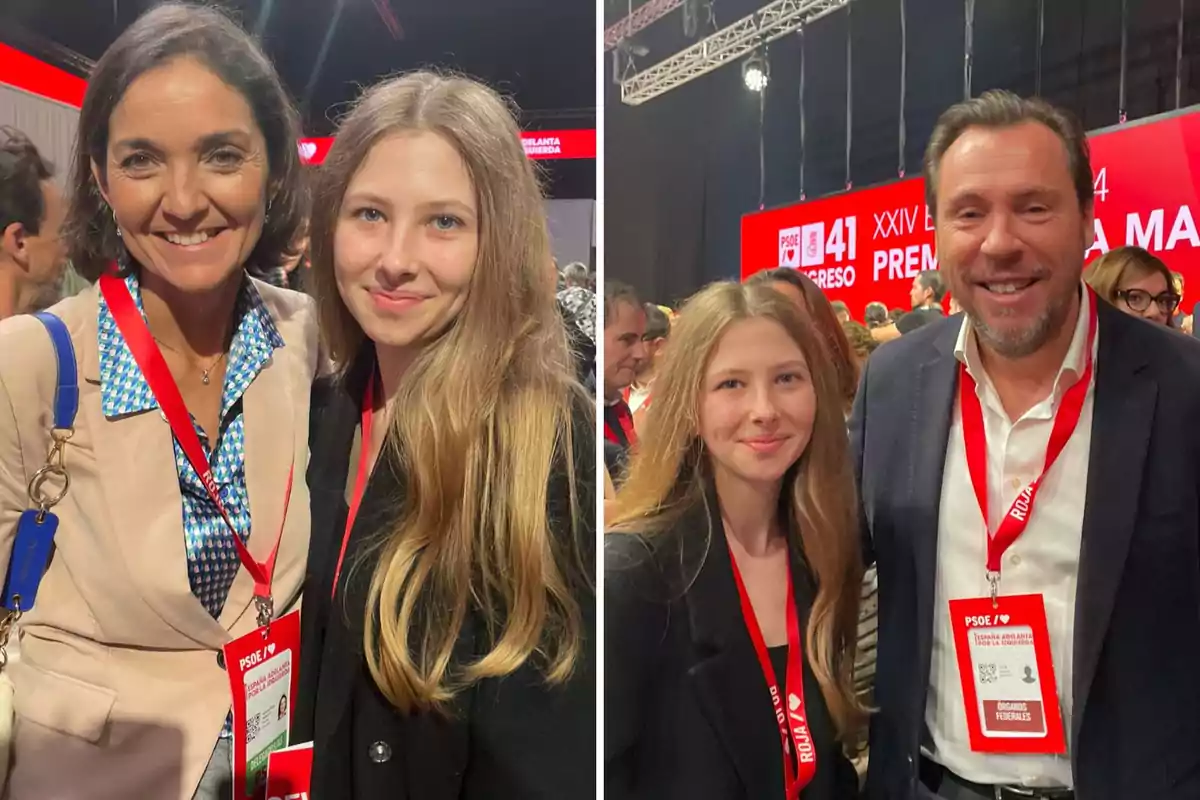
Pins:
x: 686, y: 709
x: 1135, y: 731
x: 508, y: 739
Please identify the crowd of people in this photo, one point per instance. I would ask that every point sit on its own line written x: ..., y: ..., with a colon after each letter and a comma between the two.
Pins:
x: 972, y: 524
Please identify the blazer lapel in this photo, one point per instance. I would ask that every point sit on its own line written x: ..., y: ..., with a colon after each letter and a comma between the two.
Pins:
x: 1122, y: 421
x: 728, y: 678
x: 143, y: 498
x: 270, y: 453
x: 928, y: 434
x: 342, y: 657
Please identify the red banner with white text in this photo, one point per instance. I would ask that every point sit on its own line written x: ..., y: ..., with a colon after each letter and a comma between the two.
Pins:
x: 869, y: 244
x: 538, y: 145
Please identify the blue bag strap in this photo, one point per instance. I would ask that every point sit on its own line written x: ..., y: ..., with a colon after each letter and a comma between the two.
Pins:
x: 34, y: 540
x: 66, y: 393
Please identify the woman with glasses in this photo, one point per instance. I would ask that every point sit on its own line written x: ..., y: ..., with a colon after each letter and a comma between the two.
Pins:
x: 1136, y: 282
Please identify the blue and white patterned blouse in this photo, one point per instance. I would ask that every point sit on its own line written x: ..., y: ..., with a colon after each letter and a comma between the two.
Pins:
x: 212, y: 560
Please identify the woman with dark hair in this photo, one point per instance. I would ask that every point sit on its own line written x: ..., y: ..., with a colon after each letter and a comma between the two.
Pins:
x: 186, y: 173
x: 449, y: 621
x: 808, y: 297
x: 732, y: 568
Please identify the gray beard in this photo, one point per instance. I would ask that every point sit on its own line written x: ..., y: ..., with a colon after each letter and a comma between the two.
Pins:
x: 1025, y: 342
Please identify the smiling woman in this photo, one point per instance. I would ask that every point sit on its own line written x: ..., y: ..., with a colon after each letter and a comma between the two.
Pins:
x: 452, y: 597
x: 193, y: 412
x: 732, y: 566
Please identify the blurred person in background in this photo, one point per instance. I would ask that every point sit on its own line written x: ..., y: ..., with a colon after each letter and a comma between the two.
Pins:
x: 840, y: 311
x: 289, y: 274
x: 1137, y: 282
x: 879, y: 324
x: 624, y: 351
x: 658, y: 330
x: 449, y: 631
x: 186, y: 138
x: 928, y: 289
x: 577, y: 306
x: 577, y: 299
x: 32, y: 254
x: 808, y: 297
x: 861, y: 341
x: 1183, y: 320
x: 732, y: 567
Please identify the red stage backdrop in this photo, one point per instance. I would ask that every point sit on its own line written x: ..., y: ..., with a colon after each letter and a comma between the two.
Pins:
x: 869, y: 244
x: 538, y: 144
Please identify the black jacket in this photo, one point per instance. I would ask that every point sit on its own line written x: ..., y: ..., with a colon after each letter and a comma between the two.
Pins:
x: 513, y: 738
x: 1135, y: 730
x: 686, y: 709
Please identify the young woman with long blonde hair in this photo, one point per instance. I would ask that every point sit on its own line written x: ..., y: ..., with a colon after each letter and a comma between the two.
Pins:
x: 740, y: 490
x: 449, y: 616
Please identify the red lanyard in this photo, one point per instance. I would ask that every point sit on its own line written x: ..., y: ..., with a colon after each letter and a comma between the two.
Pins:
x: 975, y: 440
x: 790, y: 716
x: 625, y: 420
x: 158, y: 376
x: 360, y: 478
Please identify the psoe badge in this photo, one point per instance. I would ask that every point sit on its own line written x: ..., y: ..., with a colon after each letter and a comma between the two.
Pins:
x: 789, y: 247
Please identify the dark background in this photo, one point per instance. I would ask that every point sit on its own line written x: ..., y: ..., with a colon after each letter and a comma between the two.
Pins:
x: 539, y: 52
x: 681, y: 169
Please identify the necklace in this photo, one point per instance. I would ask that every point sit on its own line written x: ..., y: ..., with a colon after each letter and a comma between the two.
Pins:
x: 205, y: 373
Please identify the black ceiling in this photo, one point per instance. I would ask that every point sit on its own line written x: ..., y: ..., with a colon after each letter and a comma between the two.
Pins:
x: 539, y: 52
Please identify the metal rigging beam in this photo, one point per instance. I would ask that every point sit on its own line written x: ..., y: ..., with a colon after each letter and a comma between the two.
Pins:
x: 641, y: 18
x: 769, y: 23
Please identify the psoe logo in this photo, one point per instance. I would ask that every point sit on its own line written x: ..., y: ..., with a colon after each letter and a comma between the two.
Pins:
x: 789, y: 247
x: 812, y: 244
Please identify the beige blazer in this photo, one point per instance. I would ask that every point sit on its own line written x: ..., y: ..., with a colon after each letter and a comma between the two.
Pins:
x: 118, y: 690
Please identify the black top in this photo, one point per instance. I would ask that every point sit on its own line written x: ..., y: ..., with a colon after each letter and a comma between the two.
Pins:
x: 512, y: 738
x: 778, y: 656
x: 687, y: 711
x: 1135, y: 726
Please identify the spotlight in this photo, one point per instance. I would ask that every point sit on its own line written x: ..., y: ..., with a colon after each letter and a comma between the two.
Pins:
x: 756, y: 73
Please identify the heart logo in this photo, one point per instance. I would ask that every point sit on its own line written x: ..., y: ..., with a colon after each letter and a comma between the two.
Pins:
x: 793, y: 702
x: 791, y: 255
x: 308, y: 150
x: 270, y: 649
x: 1003, y: 619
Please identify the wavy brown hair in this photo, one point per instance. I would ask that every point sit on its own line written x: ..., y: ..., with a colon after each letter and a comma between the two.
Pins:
x: 1107, y: 272
x: 487, y: 409
x: 669, y: 473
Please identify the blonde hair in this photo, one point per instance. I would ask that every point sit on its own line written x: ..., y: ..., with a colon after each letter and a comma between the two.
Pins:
x: 668, y: 474
x: 488, y: 409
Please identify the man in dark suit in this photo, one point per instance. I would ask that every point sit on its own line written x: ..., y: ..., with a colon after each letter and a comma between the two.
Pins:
x: 1109, y: 544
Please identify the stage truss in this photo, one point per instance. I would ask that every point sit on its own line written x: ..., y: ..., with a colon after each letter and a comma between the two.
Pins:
x: 641, y: 18
x: 743, y: 37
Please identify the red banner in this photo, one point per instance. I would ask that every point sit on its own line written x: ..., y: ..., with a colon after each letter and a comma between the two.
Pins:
x: 37, y: 77
x: 538, y: 145
x: 869, y: 244
x: 314, y: 151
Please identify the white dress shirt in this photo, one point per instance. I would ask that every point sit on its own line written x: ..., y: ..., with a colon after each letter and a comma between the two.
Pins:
x: 1044, y: 560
